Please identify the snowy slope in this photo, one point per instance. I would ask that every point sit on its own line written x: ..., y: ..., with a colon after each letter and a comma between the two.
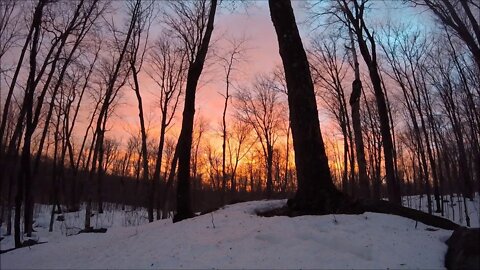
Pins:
x: 234, y: 237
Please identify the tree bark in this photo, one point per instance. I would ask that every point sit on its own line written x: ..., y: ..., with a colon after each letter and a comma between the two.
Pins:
x: 316, y: 190
x: 184, y: 208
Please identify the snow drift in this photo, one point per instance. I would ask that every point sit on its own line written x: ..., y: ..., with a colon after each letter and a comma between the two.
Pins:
x: 235, y: 237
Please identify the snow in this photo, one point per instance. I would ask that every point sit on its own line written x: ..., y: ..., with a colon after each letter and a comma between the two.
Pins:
x: 235, y: 237
x: 453, y: 208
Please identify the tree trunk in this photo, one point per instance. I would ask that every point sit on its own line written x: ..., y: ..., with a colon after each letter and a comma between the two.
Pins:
x: 369, y: 56
x: 269, y: 163
x: 165, y: 193
x: 158, y: 163
x: 224, y: 139
x: 357, y: 130
x: 316, y: 190
x: 151, y: 195
x: 24, y: 175
x: 184, y: 148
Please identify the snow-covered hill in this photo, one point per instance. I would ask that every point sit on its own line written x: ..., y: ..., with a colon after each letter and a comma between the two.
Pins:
x: 235, y: 237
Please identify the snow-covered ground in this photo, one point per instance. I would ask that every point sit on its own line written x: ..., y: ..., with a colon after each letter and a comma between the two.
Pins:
x: 235, y: 237
x: 453, y: 208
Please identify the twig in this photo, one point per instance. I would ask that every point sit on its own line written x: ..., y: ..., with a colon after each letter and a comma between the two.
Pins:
x: 212, y: 220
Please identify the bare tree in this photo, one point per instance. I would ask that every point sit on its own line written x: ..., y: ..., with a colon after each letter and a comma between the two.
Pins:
x: 405, y: 56
x: 8, y: 35
x: 193, y: 23
x: 168, y: 70
x: 10, y: 26
x: 445, y: 82
x: 356, y: 120
x: 461, y: 17
x: 373, y: 140
x: 239, y: 145
x: 171, y: 156
x: 199, y: 130
x: 329, y: 68
x: 137, y: 49
x: 354, y: 14
x: 61, y: 28
x: 260, y: 107
x: 316, y: 190
x: 24, y: 175
x: 228, y: 61
x: 113, y: 85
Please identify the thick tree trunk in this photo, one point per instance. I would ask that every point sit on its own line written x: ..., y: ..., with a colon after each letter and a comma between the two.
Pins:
x: 316, y: 190
x: 184, y: 148
x: 393, y: 194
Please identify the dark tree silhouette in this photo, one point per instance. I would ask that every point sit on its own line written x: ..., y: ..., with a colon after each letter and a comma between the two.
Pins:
x: 356, y: 122
x: 461, y: 17
x: 202, y: 24
x: 354, y: 13
x: 168, y: 63
x: 137, y: 49
x: 113, y: 73
x: 228, y: 63
x: 316, y: 190
x: 25, y: 174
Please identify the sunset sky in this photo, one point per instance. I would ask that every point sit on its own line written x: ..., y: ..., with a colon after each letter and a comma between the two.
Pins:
x: 261, y: 55
x: 253, y: 22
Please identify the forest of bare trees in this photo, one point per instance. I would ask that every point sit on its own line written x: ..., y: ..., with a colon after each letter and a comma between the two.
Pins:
x: 399, y: 105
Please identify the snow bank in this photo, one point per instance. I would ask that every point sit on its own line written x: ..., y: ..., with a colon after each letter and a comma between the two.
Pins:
x: 234, y: 237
